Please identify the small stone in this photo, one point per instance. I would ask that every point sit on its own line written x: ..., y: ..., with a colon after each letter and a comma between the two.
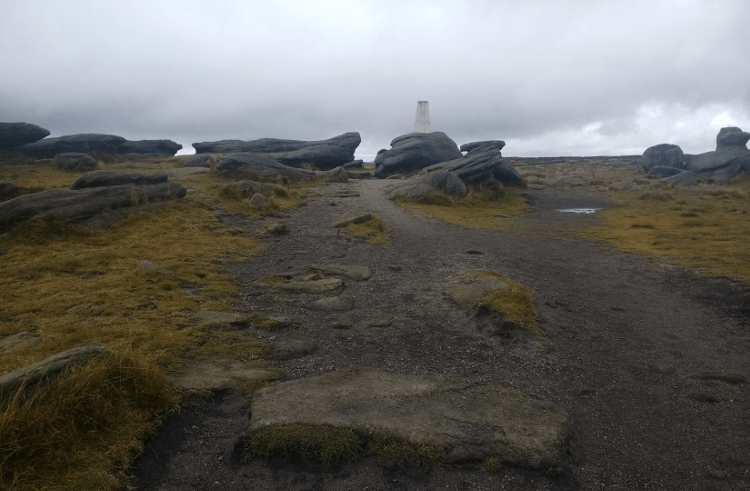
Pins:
x: 395, y: 268
x: 340, y: 303
x: 257, y: 200
x: 718, y: 475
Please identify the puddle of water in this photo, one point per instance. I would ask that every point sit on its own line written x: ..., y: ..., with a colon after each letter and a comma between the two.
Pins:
x: 584, y: 211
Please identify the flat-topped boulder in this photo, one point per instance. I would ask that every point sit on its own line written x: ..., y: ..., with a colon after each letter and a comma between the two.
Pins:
x: 466, y: 421
x: 78, y: 205
x: 260, y: 167
x: 323, y: 154
x: 99, y: 178
x: 479, y: 147
x: 94, y: 143
x: 415, y: 151
x: 15, y: 134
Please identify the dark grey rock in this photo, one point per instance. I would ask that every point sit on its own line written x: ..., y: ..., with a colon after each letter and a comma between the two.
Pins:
x: 685, y: 178
x: 47, y: 369
x: 323, y: 154
x: 338, y: 174
x: 354, y: 164
x: 664, y: 155
x: 479, y: 147
x: 76, y: 161
x: 15, y: 134
x: 199, y: 160
x: 153, y: 148
x: 79, y: 205
x: 709, y: 161
x: 416, y: 151
x: 379, y: 157
x: 508, y: 175
x: 92, y: 143
x: 262, y: 167
x: 440, y: 180
x: 100, y: 178
x: 725, y: 173
x: 7, y: 190
x: 664, y: 171
x: 731, y: 138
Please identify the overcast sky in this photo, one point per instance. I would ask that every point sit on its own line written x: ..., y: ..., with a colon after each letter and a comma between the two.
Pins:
x: 550, y: 77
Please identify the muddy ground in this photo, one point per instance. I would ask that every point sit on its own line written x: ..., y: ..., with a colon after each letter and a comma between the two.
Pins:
x: 643, y: 357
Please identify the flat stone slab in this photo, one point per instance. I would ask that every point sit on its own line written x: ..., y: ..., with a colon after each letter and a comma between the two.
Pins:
x: 356, y: 273
x: 339, y: 303
x: 470, y: 422
x: 25, y: 339
x: 223, y: 373
x: 48, y: 368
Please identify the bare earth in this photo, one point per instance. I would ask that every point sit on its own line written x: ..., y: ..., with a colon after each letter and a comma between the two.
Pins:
x: 644, y: 358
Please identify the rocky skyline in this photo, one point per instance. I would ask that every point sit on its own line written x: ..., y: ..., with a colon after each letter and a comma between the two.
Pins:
x: 548, y: 78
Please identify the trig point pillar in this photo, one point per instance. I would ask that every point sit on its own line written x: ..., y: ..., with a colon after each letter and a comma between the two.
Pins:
x: 422, y: 124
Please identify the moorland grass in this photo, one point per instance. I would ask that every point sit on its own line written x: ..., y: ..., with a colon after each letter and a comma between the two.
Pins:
x: 705, y: 227
x: 481, y: 208
x: 515, y: 303
x: 79, y: 287
x: 81, y: 431
x: 324, y: 445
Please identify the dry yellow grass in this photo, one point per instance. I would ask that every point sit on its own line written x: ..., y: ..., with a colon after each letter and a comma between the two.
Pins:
x: 515, y: 302
x: 79, y: 287
x: 477, y: 210
x: 373, y: 231
x: 704, y: 228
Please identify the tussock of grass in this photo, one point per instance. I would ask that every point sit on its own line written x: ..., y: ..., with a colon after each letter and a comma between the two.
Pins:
x: 482, y: 208
x: 326, y: 445
x: 374, y: 231
x: 322, y: 445
x: 655, y: 224
x: 494, y: 464
x: 70, y: 433
x: 515, y: 303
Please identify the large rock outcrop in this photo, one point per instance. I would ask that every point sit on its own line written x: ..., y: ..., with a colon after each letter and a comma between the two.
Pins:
x: 15, y: 134
x: 92, y: 143
x: 323, y: 154
x: 77, y: 205
x: 468, y: 422
x: 416, y: 151
x: 260, y: 167
x: 438, y: 181
x: 479, y: 168
x: 100, y: 178
x: 663, y: 155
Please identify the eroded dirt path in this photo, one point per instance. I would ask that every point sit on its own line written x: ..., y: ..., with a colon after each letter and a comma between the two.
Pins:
x: 627, y: 346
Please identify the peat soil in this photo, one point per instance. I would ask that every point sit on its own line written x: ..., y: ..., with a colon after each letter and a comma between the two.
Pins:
x: 651, y: 362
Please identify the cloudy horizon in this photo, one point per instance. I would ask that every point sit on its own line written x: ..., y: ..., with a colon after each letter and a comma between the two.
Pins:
x: 580, y: 77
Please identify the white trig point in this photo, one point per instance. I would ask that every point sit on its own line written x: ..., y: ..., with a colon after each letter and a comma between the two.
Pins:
x: 422, y: 124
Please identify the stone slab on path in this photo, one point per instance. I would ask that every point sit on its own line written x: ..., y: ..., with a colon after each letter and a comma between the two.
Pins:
x: 222, y: 373
x: 356, y: 273
x: 470, y: 422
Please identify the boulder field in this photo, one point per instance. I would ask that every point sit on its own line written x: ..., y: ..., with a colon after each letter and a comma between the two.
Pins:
x: 730, y: 157
x: 323, y: 154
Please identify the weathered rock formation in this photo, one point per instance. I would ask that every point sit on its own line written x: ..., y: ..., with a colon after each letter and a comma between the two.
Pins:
x: 468, y: 422
x: 479, y: 168
x: 416, y: 151
x: 91, y: 196
x: 323, y: 154
x: 480, y: 147
x: 76, y: 161
x: 15, y: 134
x: 730, y: 157
x: 438, y: 181
x: 97, y: 143
x: 261, y: 167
